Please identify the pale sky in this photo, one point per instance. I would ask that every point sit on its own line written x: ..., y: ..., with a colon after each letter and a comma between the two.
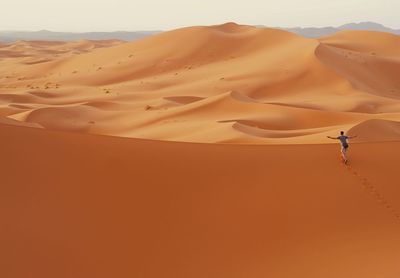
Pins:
x: 131, y: 15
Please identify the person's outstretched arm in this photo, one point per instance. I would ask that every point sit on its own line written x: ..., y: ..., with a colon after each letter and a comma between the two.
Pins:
x: 351, y: 137
x: 330, y: 137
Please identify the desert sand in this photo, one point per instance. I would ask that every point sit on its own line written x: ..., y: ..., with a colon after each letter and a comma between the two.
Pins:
x: 217, y: 84
x: 78, y: 205
x: 266, y: 196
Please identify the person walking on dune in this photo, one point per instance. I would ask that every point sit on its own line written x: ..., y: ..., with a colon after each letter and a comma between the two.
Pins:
x: 343, y: 143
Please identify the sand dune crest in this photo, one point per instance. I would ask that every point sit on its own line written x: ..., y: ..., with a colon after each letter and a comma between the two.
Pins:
x: 222, y: 83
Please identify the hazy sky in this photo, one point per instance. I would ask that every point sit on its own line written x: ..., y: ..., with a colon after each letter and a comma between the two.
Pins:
x: 111, y: 15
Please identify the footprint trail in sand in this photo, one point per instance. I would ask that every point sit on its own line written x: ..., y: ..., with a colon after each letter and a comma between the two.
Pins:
x: 374, y: 192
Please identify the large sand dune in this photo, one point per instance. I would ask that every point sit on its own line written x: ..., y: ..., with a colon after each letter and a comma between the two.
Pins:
x: 97, y: 206
x: 267, y: 198
x: 227, y: 83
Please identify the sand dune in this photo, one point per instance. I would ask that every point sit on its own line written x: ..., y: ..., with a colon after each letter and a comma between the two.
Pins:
x: 79, y: 205
x: 368, y: 42
x: 376, y: 130
x: 377, y: 75
x: 267, y: 197
x: 201, y: 84
x: 8, y: 121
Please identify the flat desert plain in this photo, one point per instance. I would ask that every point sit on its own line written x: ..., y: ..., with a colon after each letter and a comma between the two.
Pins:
x: 201, y: 152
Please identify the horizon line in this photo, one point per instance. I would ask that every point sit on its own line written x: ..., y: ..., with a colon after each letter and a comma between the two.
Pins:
x: 168, y: 29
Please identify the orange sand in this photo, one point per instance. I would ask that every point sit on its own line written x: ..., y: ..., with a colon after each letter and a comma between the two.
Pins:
x: 275, y: 202
x: 228, y: 83
x: 95, y: 206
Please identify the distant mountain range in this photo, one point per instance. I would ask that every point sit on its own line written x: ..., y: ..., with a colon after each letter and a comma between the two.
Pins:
x: 309, y: 32
x: 44, y: 35
x: 313, y: 32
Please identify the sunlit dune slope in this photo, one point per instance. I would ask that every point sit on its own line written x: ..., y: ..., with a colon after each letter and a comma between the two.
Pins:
x: 376, y: 130
x: 369, y: 60
x: 226, y: 83
x: 267, y: 198
x: 78, y: 205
